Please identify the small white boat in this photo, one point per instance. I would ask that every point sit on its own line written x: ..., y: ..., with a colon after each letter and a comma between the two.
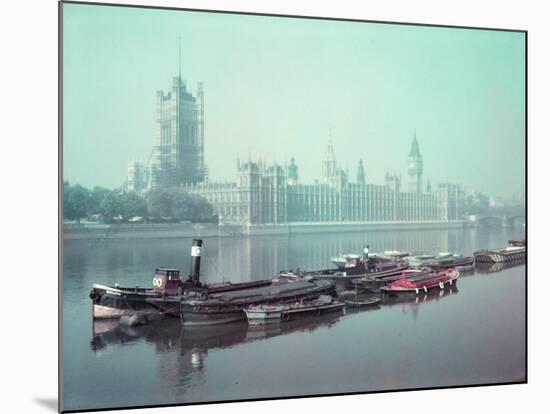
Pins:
x: 323, y: 304
x: 423, y: 259
x: 261, y: 314
x: 395, y: 254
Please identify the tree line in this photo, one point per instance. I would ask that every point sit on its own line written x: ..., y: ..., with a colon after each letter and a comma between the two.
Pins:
x: 479, y: 203
x: 120, y: 206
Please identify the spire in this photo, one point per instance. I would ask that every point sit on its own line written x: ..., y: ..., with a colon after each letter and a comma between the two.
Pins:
x: 179, y: 58
x: 330, y: 149
x: 360, y: 173
x: 329, y: 164
x: 415, y: 149
x: 293, y: 172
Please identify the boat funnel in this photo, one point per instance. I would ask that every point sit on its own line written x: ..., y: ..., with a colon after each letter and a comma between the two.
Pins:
x: 366, y: 252
x: 196, y: 260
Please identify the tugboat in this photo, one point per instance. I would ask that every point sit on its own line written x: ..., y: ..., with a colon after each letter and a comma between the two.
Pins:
x: 354, y: 268
x: 422, y: 283
x: 110, y: 302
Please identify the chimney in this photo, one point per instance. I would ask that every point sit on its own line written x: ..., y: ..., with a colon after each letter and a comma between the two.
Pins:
x: 196, y: 260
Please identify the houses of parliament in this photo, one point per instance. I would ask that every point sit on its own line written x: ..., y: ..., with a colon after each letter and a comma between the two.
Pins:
x: 273, y: 193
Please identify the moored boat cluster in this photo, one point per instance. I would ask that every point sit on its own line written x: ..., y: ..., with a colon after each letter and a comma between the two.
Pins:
x: 291, y: 294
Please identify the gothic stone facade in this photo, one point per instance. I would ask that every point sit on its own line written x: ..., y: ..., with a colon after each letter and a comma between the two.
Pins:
x: 271, y: 194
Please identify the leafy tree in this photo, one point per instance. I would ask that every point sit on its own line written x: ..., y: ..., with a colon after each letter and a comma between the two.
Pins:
x: 179, y: 205
x: 182, y: 206
x: 132, y: 205
x: 66, y: 193
x: 159, y: 203
x: 111, y: 206
x: 97, y: 196
x: 202, y: 210
x: 75, y: 201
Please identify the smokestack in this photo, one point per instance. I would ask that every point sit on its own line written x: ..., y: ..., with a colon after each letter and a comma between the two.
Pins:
x: 196, y: 260
x: 366, y: 252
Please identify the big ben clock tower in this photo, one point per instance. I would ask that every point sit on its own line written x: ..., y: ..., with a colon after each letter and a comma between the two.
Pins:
x: 415, y: 167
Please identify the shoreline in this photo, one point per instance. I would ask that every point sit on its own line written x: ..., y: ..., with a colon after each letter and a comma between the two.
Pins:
x: 94, y: 231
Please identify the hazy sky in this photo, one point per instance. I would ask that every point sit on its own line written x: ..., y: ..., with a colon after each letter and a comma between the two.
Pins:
x: 274, y: 87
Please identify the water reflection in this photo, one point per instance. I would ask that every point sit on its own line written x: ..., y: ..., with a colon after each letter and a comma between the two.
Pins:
x: 487, y: 267
x: 193, y: 344
x: 244, y: 259
x: 165, y: 333
x: 164, y: 362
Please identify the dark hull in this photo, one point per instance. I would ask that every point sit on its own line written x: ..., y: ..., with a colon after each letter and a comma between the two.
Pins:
x: 448, y: 263
x: 313, y: 310
x: 112, y: 303
x: 228, y: 307
x: 211, y: 317
x: 167, y: 305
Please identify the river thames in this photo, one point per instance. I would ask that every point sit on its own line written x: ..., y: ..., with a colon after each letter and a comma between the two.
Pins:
x: 472, y: 334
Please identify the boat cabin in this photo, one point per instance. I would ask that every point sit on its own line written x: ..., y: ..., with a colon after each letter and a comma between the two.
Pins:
x: 167, y: 280
x: 351, y: 261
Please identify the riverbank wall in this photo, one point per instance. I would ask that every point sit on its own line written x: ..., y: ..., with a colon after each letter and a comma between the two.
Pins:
x: 94, y: 231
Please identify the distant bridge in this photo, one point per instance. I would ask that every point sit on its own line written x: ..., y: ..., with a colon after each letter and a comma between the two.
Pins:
x: 496, y: 221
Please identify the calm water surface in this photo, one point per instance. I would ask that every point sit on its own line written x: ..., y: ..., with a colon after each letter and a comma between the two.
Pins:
x: 473, y: 334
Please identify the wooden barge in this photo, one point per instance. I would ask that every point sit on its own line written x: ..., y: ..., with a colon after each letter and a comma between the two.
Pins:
x: 440, y: 260
x: 453, y: 261
x: 421, y: 297
x: 491, y: 267
x: 506, y: 254
x: 355, y: 268
x: 422, y: 283
x: 375, y: 282
x: 229, y: 306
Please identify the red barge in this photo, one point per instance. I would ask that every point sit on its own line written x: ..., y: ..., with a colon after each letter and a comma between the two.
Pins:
x: 422, y: 283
